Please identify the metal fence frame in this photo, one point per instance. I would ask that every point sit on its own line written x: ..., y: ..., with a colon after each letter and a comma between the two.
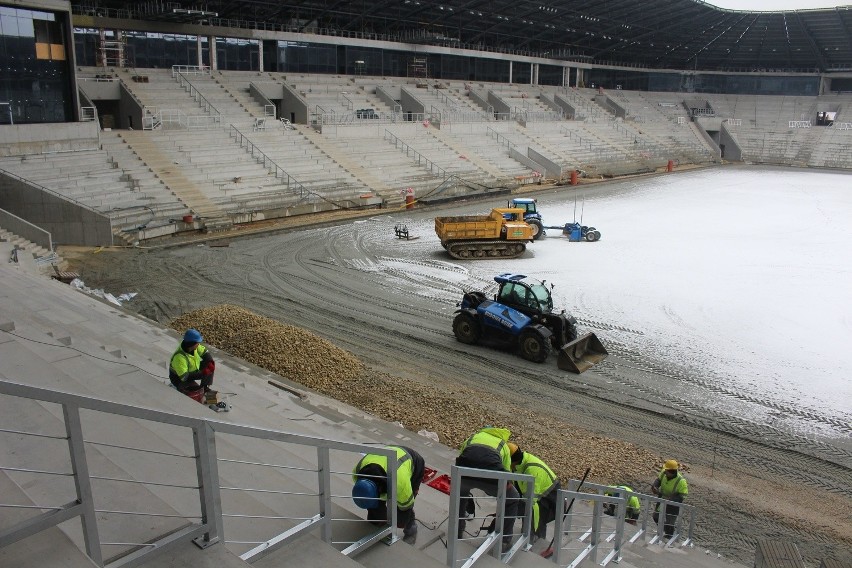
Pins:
x: 493, y: 541
x: 209, y: 530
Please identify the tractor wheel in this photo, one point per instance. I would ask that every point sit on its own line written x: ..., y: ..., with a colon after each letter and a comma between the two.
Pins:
x: 537, y: 230
x: 533, y: 346
x: 466, y: 329
x: 592, y: 236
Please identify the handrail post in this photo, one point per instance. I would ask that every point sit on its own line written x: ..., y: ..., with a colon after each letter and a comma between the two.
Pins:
x: 204, y: 440
x: 453, y: 521
x: 324, y: 478
x: 82, y: 482
x: 499, y: 518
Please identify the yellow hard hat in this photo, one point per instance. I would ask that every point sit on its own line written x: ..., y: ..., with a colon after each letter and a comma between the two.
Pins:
x: 513, y: 447
x: 670, y: 464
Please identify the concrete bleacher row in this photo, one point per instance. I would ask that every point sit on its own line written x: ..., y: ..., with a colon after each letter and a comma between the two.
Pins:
x: 262, y: 169
x: 141, y: 470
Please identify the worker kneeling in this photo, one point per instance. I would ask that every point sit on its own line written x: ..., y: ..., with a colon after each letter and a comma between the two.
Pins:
x: 487, y: 449
x: 191, y: 368
x: 371, y: 483
x: 631, y: 512
x: 545, y: 489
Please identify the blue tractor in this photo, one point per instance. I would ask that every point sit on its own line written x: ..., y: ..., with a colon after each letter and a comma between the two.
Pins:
x: 574, y: 231
x: 531, y: 215
x: 522, y: 316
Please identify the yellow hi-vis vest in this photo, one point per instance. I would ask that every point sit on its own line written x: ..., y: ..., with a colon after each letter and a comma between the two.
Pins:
x: 494, y: 438
x: 404, y: 492
x: 183, y: 363
x: 633, y: 503
x: 545, y: 480
x: 669, y: 488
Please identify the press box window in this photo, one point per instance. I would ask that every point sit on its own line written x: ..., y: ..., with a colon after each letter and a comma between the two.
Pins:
x: 48, y: 40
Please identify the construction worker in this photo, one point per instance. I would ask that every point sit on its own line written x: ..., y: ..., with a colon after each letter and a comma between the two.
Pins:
x: 671, y: 486
x: 487, y: 449
x: 191, y: 367
x: 371, y: 482
x: 544, y: 489
x: 633, y: 505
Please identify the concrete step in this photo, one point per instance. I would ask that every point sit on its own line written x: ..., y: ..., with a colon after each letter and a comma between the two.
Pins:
x: 51, y: 547
x: 306, y: 551
x: 188, y: 555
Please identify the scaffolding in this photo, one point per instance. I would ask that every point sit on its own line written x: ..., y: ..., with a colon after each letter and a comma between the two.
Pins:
x: 418, y: 67
x: 111, y: 51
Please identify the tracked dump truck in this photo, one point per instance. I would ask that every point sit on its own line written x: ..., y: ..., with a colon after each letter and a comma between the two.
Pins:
x: 502, y: 233
x: 522, y: 316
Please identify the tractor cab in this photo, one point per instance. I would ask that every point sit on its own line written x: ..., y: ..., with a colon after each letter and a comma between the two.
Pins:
x: 530, y: 214
x: 529, y: 297
x: 525, y: 203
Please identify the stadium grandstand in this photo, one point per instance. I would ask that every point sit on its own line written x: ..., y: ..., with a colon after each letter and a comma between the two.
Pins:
x: 130, y: 117
x: 131, y: 123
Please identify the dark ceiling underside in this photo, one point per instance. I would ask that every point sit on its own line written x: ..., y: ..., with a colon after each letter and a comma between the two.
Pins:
x: 672, y: 34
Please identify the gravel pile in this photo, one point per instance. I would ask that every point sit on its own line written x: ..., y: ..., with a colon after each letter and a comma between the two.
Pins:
x: 448, y: 410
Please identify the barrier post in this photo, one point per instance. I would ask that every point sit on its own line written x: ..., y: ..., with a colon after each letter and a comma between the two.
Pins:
x: 573, y: 177
x: 409, y: 198
x: 670, y: 166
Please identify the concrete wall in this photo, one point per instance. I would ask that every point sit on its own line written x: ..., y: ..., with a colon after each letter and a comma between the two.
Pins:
x: 732, y: 152
x: 387, y: 96
x: 478, y: 99
x: 410, y: 102
x: 19, y: 139
x: 25, y: 229
x: 293, y: 106
x: 257, y: 93
x: 552, y: 169
x: 499, y: 105
x: 70, y: 223
x: 570, y: 109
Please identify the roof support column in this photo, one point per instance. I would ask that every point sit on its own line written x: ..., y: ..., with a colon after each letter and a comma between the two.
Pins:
x: 199, y: 48
x: 510, y: 72
x: 260, y: 55
x: 211, y: 42
x: 534, y: 74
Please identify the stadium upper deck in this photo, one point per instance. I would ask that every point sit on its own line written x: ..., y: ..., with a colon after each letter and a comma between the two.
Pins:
x: 661, y: 34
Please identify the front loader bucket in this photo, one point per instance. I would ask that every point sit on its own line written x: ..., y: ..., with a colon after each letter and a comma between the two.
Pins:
x: 581, y: 354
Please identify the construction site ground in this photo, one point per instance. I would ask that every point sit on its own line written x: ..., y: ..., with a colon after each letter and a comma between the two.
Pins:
x: 315, y: 273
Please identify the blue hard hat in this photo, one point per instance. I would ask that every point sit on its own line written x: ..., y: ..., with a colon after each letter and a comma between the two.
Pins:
x: 193, y: 336
x: 365, y: 494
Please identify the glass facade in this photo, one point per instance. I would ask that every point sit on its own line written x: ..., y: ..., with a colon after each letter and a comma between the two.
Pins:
x: 550, y: 75
x: 35, y: 67
x: 705, y: 82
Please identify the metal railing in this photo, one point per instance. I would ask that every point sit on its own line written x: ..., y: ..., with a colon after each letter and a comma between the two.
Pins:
x: 415, y: 155
x: 580, y: 534
x: 506, y: 142
x: 273, y: 168
x: 207, y: 526
x: 176, y: 118
x: 609, y: 537
x: 184, y: 82
x: 492, y: 542
x: 88, y: 114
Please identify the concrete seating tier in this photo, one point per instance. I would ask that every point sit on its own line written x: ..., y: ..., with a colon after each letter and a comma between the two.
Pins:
x: 236, y: 84
x: 447, y: 158
x: 477, y: 138
x: 90, y: 177
x: 162, y: 92
x: 304, y: 161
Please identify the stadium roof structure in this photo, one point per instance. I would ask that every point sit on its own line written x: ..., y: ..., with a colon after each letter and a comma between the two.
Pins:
x: 666, y: 34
